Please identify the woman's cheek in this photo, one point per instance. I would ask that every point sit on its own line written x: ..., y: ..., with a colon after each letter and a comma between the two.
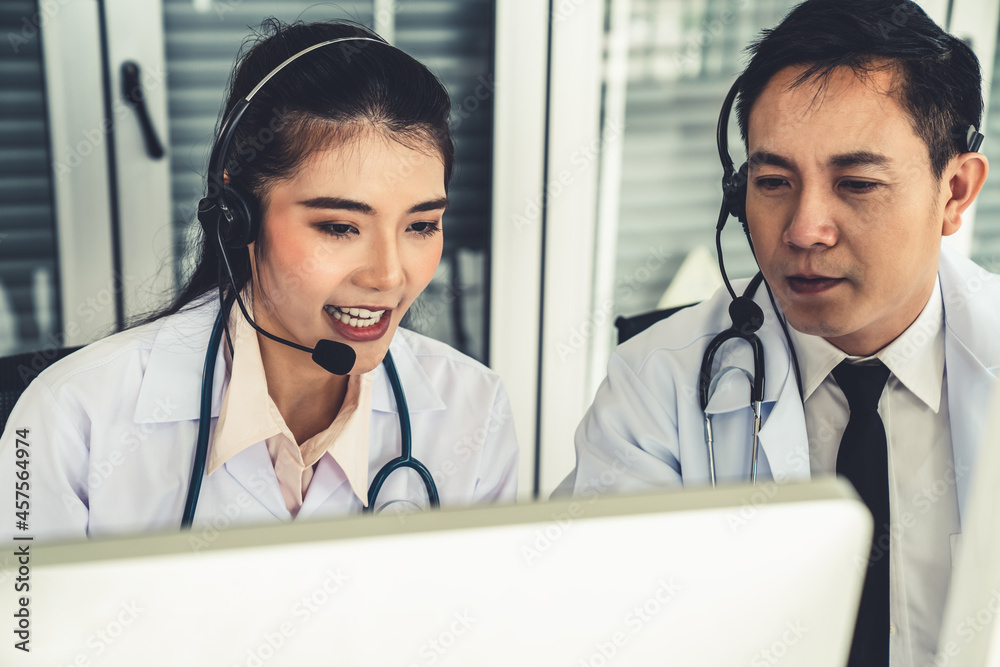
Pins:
x: 429, y: 260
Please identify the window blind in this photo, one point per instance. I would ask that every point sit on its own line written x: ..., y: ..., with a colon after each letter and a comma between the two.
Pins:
x: 28, y: 304
x: 452, y: 37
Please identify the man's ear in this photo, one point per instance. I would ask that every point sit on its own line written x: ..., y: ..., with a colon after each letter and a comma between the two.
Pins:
x: 967, y: 175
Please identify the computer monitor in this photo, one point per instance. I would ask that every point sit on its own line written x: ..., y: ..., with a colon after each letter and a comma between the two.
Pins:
x: 755, y: 576
x: 969, y: 636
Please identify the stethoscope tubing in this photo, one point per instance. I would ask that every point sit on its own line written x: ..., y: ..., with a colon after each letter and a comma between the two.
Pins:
x: 405, y: 460
x: 756, y: 384
x: 204, y: 418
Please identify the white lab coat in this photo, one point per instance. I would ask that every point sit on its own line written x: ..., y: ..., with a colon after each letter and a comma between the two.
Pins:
x: 112, y: 432
x: 645, y: 428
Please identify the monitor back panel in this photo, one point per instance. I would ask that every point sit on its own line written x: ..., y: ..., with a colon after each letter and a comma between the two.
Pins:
x: 751, y: 576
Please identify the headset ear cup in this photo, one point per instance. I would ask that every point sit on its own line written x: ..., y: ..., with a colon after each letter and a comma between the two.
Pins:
x: 734, y: 192
x: 245, y: 210
x: 738, y: 206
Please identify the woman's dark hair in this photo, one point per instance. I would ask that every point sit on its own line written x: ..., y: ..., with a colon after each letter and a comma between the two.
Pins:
x: 937, y: 76
x: 320, y: 100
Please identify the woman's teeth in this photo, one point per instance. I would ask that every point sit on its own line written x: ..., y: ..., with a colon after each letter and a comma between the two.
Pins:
x: 355, y: 317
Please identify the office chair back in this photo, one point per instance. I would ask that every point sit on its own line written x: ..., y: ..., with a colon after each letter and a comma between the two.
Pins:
x: 630, y: 326
x: 17, y: 372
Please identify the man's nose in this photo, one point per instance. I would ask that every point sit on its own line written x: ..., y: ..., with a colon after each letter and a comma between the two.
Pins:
x: 812, y: 223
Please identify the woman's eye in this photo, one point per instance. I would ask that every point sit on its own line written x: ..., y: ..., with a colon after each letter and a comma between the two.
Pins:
x: 337, y: 229
x: 860, y: 187
x: 424, y: 228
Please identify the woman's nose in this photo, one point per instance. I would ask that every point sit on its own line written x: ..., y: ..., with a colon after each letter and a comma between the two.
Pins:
x: 383, y: 269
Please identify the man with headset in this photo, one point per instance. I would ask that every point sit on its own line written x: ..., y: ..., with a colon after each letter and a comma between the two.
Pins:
x: 877, y: 347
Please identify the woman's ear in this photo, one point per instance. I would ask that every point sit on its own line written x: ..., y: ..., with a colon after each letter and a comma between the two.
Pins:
x: 967, y: 175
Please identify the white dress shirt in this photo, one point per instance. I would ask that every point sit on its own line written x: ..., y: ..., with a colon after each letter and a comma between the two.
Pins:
x: 249, y: 415
x: 923, y: 503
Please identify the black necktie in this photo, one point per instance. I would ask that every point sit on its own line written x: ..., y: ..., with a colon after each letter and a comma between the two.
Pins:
x: 863, y: 459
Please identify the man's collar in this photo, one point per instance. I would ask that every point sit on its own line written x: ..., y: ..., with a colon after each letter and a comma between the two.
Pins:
x: 915, y: 357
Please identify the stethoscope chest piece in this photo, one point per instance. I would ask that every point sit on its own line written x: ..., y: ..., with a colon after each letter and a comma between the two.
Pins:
x: 747, y: 319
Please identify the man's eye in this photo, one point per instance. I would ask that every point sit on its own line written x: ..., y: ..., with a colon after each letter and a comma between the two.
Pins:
x: 770, y: 183
x: 860, y: 187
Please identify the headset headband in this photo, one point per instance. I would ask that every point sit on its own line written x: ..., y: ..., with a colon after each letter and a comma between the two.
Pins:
x: 722, y: 128
x: 217, y: 161
x: 973, y: 138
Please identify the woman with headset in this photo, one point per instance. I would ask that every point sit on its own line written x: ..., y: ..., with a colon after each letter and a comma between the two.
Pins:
x: 321, y: 225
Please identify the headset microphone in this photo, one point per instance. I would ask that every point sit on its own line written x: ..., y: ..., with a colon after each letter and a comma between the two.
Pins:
x: 746, y: 315
x: 333, y: 356
x: 232, y: 216
x: 337, y: 358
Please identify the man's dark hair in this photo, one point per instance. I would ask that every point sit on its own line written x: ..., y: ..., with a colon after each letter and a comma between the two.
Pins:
x: 937, y: 77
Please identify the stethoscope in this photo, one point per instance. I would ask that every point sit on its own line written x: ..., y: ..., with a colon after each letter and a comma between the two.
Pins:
x: 404, y: 460
x: 747, y: 316
x: 227, y: 206
x: 747, y: 333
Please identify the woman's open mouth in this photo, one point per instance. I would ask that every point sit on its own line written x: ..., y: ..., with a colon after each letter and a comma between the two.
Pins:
x: 359, y: 323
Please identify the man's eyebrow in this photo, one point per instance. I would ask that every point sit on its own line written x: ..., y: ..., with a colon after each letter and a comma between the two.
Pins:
x: 338, y: 204
x: 758, y: 158
x: 432, y: 205
x: 852, y: 159
x: 860, y: 159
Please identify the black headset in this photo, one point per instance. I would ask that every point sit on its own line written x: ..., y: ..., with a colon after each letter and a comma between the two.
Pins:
x: 231, y: 216
x: 746, y: 316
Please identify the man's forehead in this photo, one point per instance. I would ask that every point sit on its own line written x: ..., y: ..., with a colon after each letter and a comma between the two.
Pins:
x: 795, y: 91
x: 841, y: 119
